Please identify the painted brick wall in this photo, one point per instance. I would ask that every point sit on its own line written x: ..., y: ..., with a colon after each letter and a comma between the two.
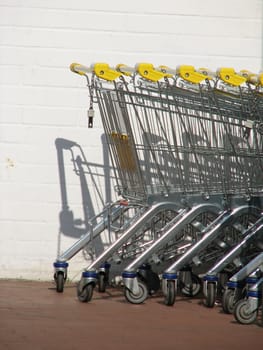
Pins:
x: 43, y: 105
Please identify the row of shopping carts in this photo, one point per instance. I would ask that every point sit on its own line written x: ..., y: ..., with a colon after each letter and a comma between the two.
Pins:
x: 186, y: 148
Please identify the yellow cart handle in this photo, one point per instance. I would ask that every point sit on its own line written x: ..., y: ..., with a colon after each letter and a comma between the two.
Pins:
x: 101, y: 70
x: 148, y: 72
x: 80, y: 68
x: 229, y: 76
x: 124, y: 69
x: 252, y: 78
x: 188, y: 73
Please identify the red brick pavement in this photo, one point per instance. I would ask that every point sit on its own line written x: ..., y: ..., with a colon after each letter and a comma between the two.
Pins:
x: 34, y: 317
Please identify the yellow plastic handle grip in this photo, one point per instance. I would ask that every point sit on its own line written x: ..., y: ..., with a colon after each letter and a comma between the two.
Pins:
x: 169, y: 72
x: 104, y: 71
x: 101, y: 70
x: 80, y: 69
x: 189, y: 73
x: 229, y: 76
x: 148, y: 72
x: 207, y: 72
x: 124, y: 69
x: 252, y: 78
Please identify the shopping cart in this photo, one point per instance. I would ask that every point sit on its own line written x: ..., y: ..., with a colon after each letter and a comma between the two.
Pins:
x: 107, y: 225
x: 177, y: 136
x: 250, y: 246
x: 246, y: 311
x: 240, y: 282
x: 245, y: 303
x: 214, y: 241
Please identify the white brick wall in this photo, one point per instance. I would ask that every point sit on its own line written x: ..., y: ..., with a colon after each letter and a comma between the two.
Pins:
x: 41, y: 100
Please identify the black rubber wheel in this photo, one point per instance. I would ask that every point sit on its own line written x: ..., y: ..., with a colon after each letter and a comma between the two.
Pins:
x: 137, y: 298
x: 228, y: 301
x: 242, y: 315
x: 60, y: 281
x: 191, y: 290
x: 85, y: 295
x: 152, y: 282
x: 169, y: 299
x: 211, y: 295
x: 101, y: 283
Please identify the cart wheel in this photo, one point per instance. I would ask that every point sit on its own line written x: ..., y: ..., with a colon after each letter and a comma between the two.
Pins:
x: 191, y: 290
x: 85, y: 295
x: 137, y: 298
x: 211, y: 295
x: 60, y: 281
x: 152, y: 281
x: 228, y: 301
x: 101, y: 283
x: 170, y: 296
x: 242, y: 315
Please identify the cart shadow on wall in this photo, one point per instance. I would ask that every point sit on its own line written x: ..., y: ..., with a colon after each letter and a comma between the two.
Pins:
x: 100, y: 178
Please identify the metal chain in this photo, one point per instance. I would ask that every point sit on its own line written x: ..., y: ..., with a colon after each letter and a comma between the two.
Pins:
x: 91, y: 110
